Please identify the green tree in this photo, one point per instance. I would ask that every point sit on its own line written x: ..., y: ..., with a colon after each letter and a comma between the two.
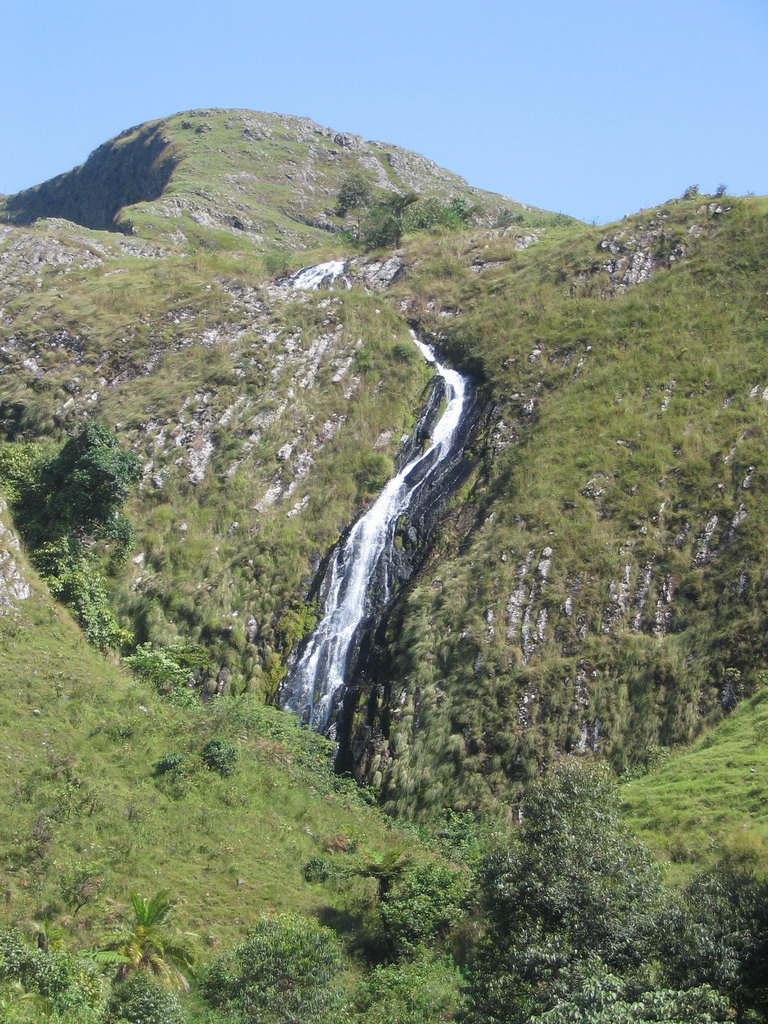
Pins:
x: 286, y: 972
x: 716, y: 933
x: 146, y: 944
x: 354, y: 193
x: 572, y: 885
x: 420, y: 909
x: 79, y: 886
x: 84, y: 487
x: 61, y: 505
x: 387, y: 870
x: 605, y: 999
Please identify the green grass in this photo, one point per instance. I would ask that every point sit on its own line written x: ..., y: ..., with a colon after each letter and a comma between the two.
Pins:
x: 709, y: 802
x: 80, y: 741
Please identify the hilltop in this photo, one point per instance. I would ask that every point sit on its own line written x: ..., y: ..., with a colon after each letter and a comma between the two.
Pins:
x: 263, y: 181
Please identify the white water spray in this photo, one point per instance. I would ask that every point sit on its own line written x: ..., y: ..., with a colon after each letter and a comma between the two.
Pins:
x: 309, y: 278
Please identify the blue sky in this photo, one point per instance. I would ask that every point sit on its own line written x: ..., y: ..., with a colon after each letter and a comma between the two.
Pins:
x: 593, y: 108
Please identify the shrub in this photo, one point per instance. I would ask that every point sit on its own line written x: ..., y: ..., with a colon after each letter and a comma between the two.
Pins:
x: 431, y: 213
x: 68, y: 982
x: 72, y: 574
x: 572, y: 887
x: 57, y: 502
x: 420, y: 909
x: 286, y: 970
x: 506, y: 218
x: 142, y: 1000
x: 327, y: 869
x: 18, y: 464
x: 170, y: 670
x: 425, y: 991
x: 169, y: 763
x: 381, y: 228
x: 220, y: 756
x: 159, y: 667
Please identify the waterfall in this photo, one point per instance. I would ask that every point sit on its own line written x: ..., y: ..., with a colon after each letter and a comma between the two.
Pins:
x: 313, y: 685
x: 310, y: 278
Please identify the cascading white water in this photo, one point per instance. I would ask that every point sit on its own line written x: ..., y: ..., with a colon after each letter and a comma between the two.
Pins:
x: 313, y: 684
x: 309, y: 278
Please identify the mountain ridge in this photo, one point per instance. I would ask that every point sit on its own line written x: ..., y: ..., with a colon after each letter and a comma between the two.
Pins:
x: 276, y: 177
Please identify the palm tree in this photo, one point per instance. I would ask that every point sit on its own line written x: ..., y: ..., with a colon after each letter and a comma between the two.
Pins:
x: 387, y: 870
x: 145, y: 944
x: 399, y: 201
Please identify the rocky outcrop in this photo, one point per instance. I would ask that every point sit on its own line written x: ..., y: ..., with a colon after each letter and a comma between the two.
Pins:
x: 13, y: 586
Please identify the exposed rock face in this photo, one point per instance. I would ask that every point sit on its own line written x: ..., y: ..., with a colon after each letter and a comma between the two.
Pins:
x: 377, y: 275
x: 632, y: 256
x: 13, y: 587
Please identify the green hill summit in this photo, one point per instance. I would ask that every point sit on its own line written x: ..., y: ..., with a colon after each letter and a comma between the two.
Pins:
x: 266, y: 179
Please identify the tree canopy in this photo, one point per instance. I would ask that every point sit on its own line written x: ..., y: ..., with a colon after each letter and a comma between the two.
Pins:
x: 84, y: 486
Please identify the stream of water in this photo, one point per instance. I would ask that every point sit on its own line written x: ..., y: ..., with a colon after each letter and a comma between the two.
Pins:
x: 313, y: 685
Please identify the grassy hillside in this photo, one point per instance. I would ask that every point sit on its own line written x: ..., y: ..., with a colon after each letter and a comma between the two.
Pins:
x: 594, y: 592
x: 708, y: 802
x: 599, y: 588
x: 84, y: 798
x: 263, y: 419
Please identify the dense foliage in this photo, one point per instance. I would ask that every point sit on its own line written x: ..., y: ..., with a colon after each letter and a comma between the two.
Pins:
x: 64, y: 504
x: 285, y: 970
x: 570, y: 923
x: 83, y: 488
x: 381, y: 218
x: 581, y: 926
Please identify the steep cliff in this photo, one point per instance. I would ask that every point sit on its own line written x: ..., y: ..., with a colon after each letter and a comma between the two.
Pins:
x: 134, y: 168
